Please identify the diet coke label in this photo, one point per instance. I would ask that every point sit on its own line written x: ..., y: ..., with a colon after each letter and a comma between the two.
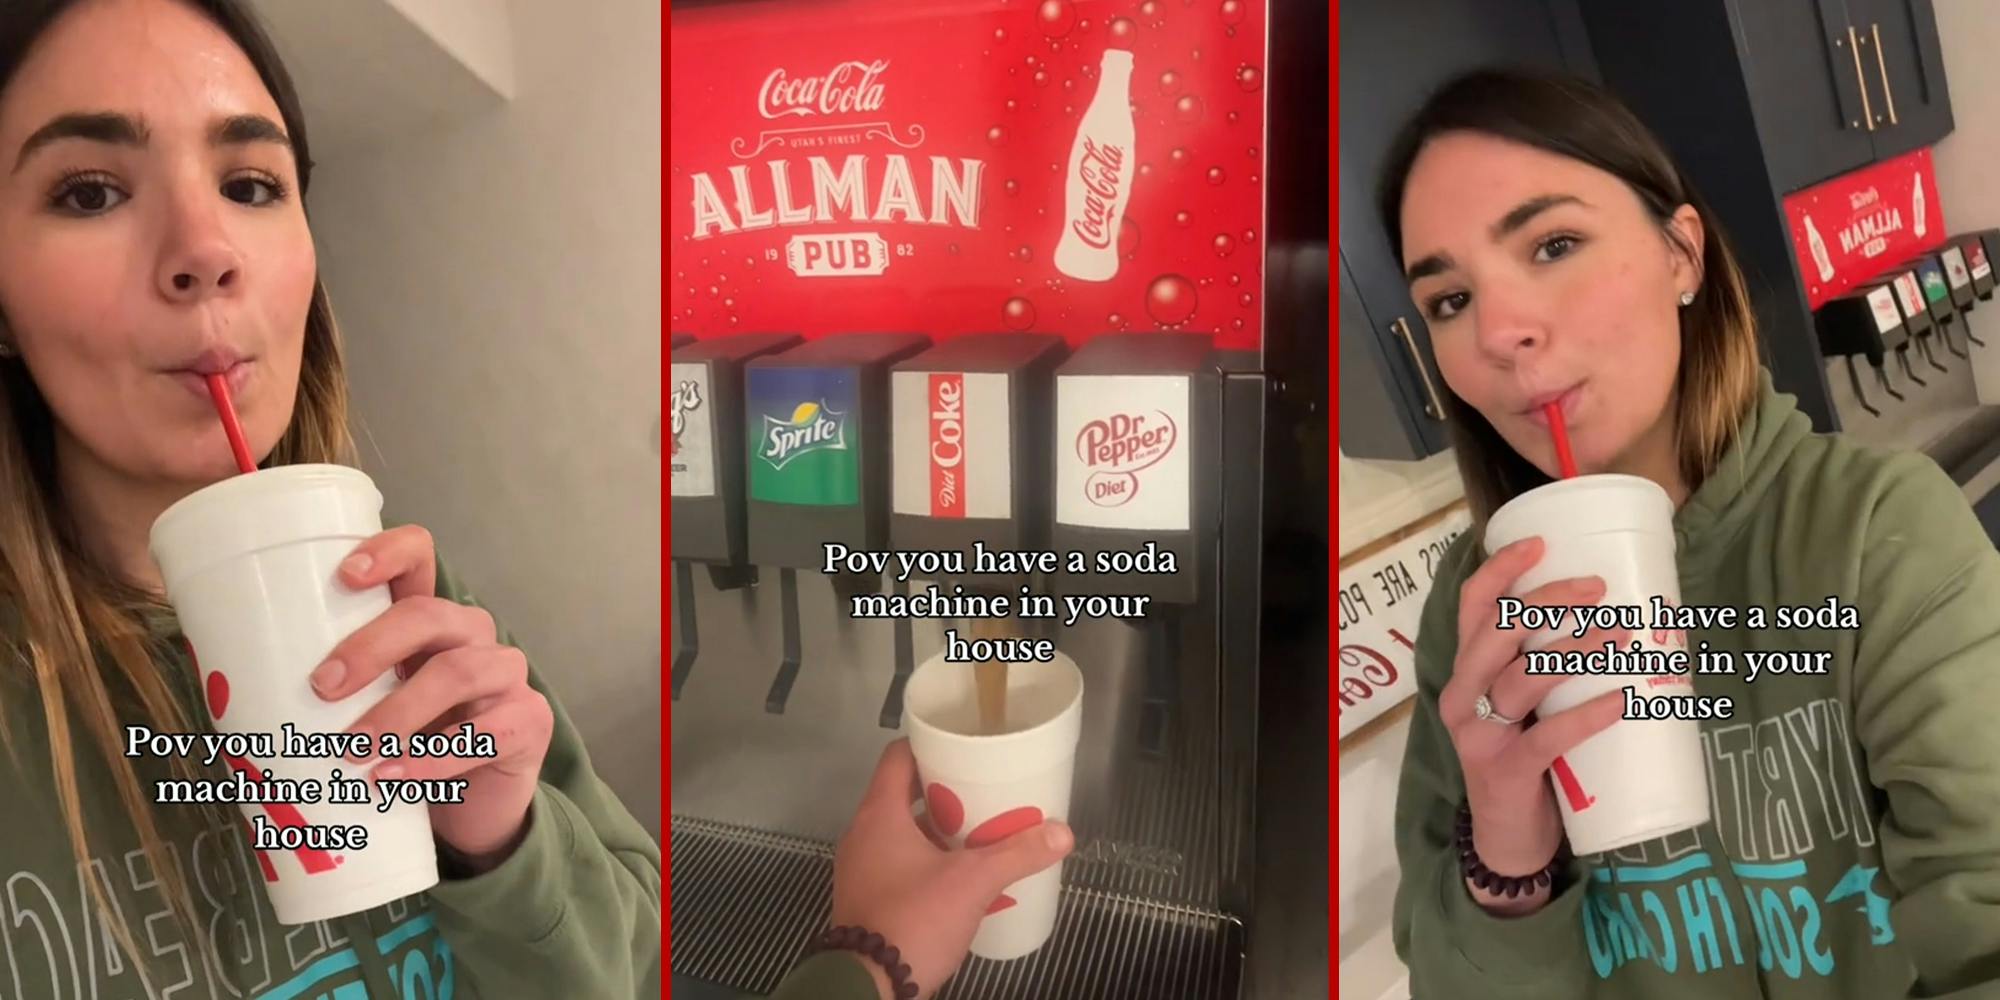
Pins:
x: 951, y: 449
x: 851, y: 87
x: 1101, y: 170
x: 1122, y: 461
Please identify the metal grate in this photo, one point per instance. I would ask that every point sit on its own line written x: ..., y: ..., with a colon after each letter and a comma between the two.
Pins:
x: 746, y: 902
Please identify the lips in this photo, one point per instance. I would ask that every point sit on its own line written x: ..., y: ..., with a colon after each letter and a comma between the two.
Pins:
x: 193, y: 373
x: 1566, y: 399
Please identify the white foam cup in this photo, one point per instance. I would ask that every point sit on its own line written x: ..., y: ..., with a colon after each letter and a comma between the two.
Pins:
x: 1641, y: 778
x: 250, y: 568
x: 979, y: 789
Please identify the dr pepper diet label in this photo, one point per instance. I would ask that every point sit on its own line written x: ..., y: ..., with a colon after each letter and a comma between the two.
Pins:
x: 803, y: 448
x: 692, y: 447
x: 1121, y: 460
x: 1065, y: 166
x: 953, y: 457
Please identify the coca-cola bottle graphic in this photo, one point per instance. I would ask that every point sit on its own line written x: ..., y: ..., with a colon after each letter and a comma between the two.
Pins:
x: 1818, y: 251
x: 1917, y: 204
x: 1101, y: 170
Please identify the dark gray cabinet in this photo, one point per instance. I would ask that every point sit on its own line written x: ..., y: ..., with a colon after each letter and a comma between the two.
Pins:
x: 1902, y: 35
x: 1393, y: 53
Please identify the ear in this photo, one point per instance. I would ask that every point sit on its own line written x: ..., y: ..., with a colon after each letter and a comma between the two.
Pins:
x: 1685, y: 246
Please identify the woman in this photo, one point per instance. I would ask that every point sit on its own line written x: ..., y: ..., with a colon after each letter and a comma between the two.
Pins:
x: 1854, y: 851
x: 152, y: 231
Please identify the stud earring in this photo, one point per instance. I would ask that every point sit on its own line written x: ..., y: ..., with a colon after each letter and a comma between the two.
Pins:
x: 1687, y: 299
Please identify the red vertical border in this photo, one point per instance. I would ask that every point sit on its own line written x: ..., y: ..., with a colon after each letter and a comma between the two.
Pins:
x: 1333, y: 506
x: 666, y: 531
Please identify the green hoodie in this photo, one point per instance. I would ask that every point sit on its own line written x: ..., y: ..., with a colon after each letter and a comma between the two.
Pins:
x: 574, y: 912
x: 1854, y: 850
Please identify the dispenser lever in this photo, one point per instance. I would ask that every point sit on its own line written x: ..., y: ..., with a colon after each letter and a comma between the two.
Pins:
x: 1854, y: 378
x: 685, y: 620
x: 788, y: 669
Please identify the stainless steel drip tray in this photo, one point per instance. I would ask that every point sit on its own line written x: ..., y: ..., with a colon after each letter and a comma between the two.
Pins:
x: 747, y: 902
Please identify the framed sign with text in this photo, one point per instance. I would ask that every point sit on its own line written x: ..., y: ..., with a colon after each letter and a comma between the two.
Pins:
x: 1381, y: 600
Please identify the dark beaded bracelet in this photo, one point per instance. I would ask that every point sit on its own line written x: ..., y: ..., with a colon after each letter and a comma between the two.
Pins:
x: 1492, y: 882
x: 871, y: 946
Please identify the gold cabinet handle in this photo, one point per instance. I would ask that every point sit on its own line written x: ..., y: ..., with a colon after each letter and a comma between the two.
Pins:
x: 1432, y: 405
x: 1882, y: 66
x: 1854, y: 46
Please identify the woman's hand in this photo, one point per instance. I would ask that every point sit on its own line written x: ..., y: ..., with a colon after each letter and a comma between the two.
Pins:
x: 892, y: 876
x: 1516, y: 827
x: 455, y: 672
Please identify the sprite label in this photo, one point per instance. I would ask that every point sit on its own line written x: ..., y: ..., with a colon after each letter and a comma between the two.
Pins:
x: 1934, y: 286
x: 804, y: 447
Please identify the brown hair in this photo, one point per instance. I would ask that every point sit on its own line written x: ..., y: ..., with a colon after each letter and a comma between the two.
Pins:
x: 1719, y: 372
x: 83, y: 642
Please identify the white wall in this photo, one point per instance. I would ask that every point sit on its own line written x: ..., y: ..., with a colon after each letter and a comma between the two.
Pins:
x: 497, y: 278
x: 1968, y: 160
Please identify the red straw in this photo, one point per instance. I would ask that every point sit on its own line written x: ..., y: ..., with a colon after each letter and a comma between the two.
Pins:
x: 218, y: 390
x: 1563, y: 456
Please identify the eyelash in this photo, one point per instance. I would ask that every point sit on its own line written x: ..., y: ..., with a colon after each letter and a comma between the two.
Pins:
x: 75, y: 180
x: 1432, y: 304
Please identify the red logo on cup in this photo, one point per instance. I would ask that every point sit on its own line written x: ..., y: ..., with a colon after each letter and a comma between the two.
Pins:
x: 947, y: 404
x: 1117, y: 448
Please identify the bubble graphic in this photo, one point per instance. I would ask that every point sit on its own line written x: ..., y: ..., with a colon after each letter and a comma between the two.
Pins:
x: 1055, y: 17
x: 1248, y: 77
x: 1031, y: 60
x: 1024, y: 254
x: 1041, y: 78
x: 1232, y: 11
x: 1012, y: 104
x: 1128, y: 238
x: 749, y: 262
x: 996, y: 135
x: 1150, y: 8
x: 1018, y: 313
x: 692, y: 290
x: 680, y: 275
x: 1215, y: 175
x: 1069, y: 85
x: 1011, y: 187
x: 1115, y: 320
x: 1224, y: 245
x: 1179, y: 156
x: 732, y: 321
x: 728, y: 303
x: 1244, y: 298
x: 1069, y: 109
x: 1236, y: 324
x: 999, y: 34
x: 952, y: 249
x: 722, y: 278
x: 1145, y: 169
x: 1182, y: 218
x: 713, y: 291
x: 1170, y: 300
x: 1235, y: 279
x: 704, y: 262
x: 1055, y: 168
x: 1170, y: 83
x: 1249, y: 236
x: 1233, y: 116
x: 1122, y: 29
x: 1188, y: 109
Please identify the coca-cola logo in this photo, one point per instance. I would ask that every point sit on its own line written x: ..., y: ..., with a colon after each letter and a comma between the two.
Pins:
x: 1098, y: 170
x: 1117, y: 448
x: 947, y: 419
x: 849, y: 87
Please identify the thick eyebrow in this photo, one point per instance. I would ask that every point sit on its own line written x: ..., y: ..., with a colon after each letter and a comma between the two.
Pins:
x: 1520, y: 215
x: 125, y: 130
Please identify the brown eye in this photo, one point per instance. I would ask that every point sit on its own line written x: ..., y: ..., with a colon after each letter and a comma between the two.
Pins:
x: 86, y: 195
x: 1555, y: 248
x: 252, y: 191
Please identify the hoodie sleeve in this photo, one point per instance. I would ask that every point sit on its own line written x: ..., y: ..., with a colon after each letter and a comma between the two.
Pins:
x: 1925, y: 686
x: 1453, y: 947
x: 829, y: 975
x: 575, y: 910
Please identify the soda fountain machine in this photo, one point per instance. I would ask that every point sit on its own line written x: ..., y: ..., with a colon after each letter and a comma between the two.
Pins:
x: 1117, y: 275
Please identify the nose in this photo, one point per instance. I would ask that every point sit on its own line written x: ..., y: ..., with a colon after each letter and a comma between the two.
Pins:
x: 198, y: 259
x: 1508, y: 324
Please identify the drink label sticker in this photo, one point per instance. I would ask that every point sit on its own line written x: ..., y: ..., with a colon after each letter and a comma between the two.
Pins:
x: 1954, y: 265
x: 952, y: 444
x: 1122, y: 451
x: 1934, y: 286
x: 1074, y: 167
x: 1980, y: 268
x: 693, y: 448
x: 1886, y: 316
x: 1913, y: 299
x: 804, y: 447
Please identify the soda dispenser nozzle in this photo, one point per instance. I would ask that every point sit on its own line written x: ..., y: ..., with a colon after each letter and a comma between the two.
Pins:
x: 709, y: 521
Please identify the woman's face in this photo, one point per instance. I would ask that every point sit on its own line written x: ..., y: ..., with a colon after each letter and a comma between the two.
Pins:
x: 150, y: 234
x: 1544, y: 279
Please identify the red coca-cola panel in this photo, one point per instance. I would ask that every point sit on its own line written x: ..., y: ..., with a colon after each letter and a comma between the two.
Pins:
x: 1065, y: 166
x: 1847, y: 230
